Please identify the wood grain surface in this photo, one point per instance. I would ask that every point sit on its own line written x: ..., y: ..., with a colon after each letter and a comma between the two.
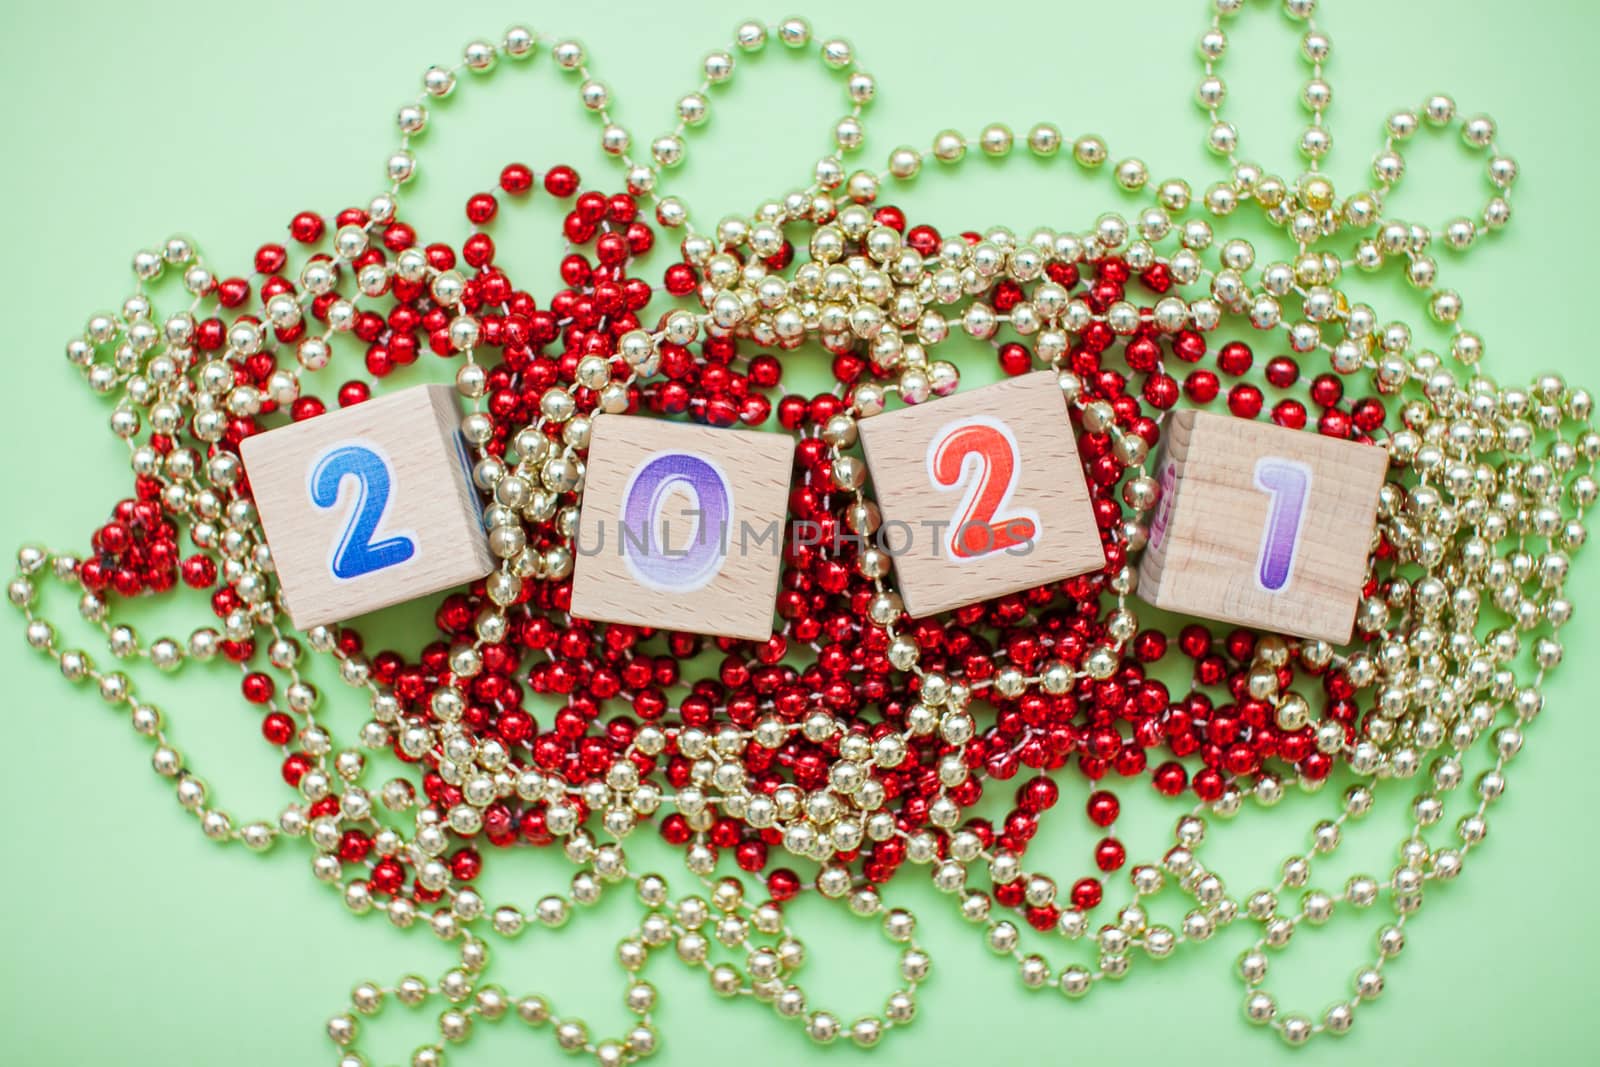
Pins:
x: 429, y: 501
x: 922, y: 509
x: 1205, y: 555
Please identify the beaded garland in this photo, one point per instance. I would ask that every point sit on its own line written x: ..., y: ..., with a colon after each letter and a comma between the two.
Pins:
x: 856, y: 741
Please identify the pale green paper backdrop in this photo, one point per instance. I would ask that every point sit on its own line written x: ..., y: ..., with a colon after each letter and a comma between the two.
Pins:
x: 130, y: 940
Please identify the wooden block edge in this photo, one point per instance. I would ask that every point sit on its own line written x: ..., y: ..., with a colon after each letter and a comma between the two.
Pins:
x: 443, y: 400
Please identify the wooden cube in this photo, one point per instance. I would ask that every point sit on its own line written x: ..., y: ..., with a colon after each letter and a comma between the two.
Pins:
x: 369, y: 505
x: 1261, y: 525
x: 682, y: 526
x: 982, y: 494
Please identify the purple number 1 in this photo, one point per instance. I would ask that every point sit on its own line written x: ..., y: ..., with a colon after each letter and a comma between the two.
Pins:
x: 1288, y: 485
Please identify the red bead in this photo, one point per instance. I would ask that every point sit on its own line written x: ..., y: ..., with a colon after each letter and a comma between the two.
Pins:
x: 1244, y: 401
x: 277, y: 728
x: 353, y: 393
x: 440, y: 256
x: 1189, y: 346
x: 1235, y: 358
x: 641, y: 238
x: 891, y: 217
x: 611, y: 250
x: 1367, y: 413
x: 561, y: 181
x: 295, y: 766
x: 1109, y: 855
x: 199, y: 572
x: 1209, y: 784
x: 354, y: 846
x: 1289, y: 413
x: 1142, y: 354
x: 1160, y: 391
x: 1282, y: 371
x: 1149, y: 645
x: 750, y: 855
x: 1194, y: 640
x: 1015, y: 359
x: 1086, y: 893
x: 378, y: 362
x: 481, y: 208
x: 1157, y: 277
x: 388, y: 877
x: 1170, y: 779
x: 924, y: 239
x: 466, y: 864
x: 516, y: 178
x: 1334, y: 423
x: 675, y: 830
x: 307, y: 227
x: 1201, y: 386
x: 306, y: 407
x: 1037, y: 794
x: 783, y: 884
x: 1326, y: 390
x: 478, y: 251
x: 258, y: 688
x: 591, y: 208
x: 1103, y: 808
x: 270, y: 259
x: 398, y: 236
x: 210, y: 334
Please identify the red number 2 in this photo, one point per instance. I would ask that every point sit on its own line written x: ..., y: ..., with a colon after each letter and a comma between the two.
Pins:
x: 980, y: 454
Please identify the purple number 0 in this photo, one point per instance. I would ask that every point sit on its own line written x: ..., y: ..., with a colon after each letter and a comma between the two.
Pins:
x: 654, y: 562
x: 356, y: 553
x: 1288, y: 485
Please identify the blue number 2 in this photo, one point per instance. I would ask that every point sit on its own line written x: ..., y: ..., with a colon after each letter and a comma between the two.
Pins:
x: 356, y: 553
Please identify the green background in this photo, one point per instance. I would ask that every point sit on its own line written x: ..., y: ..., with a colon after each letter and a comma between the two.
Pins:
x: 129, y: 939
